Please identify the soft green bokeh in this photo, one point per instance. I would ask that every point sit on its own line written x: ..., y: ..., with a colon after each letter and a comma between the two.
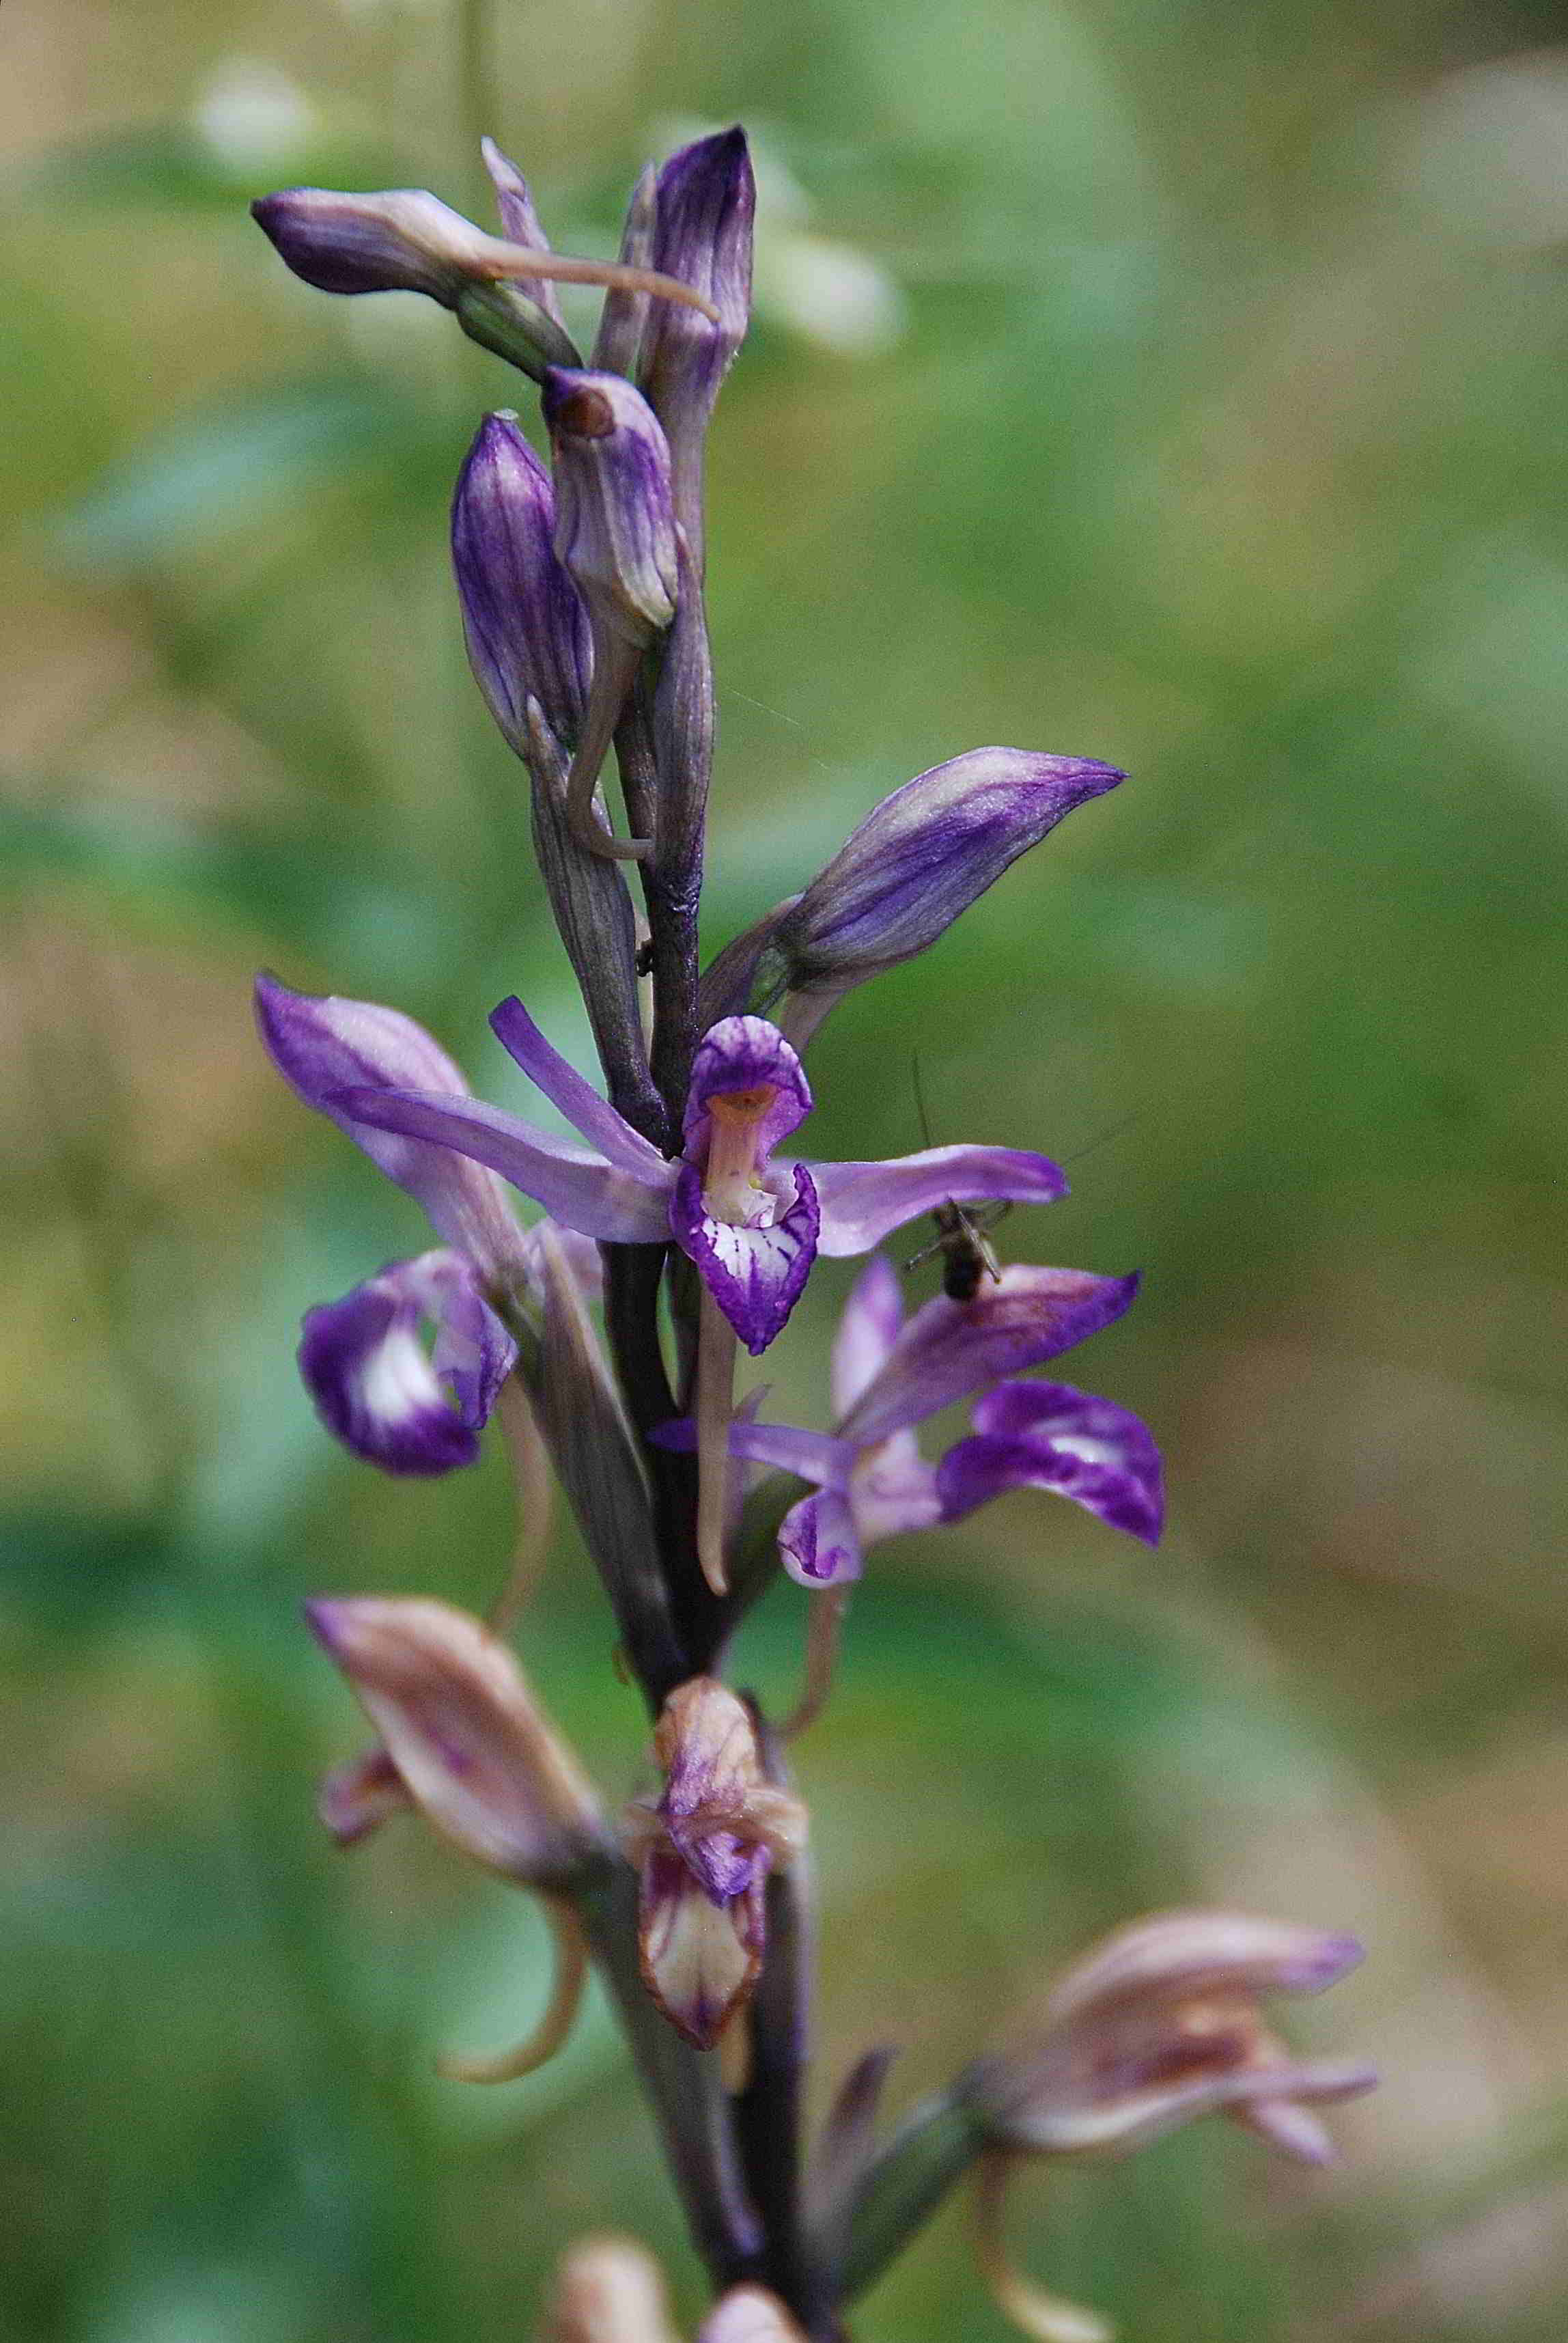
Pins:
x: 1165, y: 380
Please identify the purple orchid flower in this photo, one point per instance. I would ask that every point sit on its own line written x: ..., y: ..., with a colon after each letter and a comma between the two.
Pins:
x: 888, y: 1376
x: 361, y: 1358
x: 753, y: 1227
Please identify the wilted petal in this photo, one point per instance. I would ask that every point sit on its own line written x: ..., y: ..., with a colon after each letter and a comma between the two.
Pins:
x: 526, y: 629
x: 1049, y: 1436
x: 614, y: 524
x: 575, y: 1185
x: 950, y: 1349
x: 459, y: 1724
x: 1176, y: 1957
x: 864, y: 1203
x: 323, y: 1046
x: 699, y: 1959
x: 358, y: 1797
x: 366, y: 1368
x: 755, y: 1274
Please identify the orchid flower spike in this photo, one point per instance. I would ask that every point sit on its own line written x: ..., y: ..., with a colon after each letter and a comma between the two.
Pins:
x: 704, y: 1848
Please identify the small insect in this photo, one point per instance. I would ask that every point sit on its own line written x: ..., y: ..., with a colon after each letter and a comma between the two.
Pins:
x: 968, y: 1253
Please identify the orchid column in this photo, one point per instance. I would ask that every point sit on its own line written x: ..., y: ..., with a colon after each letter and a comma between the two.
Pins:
x: 675, y: 1231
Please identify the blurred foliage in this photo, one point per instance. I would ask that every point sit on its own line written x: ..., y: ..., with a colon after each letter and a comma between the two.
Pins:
x: 1165, y: 380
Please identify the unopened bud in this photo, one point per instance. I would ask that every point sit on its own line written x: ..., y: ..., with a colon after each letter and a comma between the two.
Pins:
x: 459, y: 1724
x: 703, y: 208
x: 898, y: 882
x: 615, y: 525
x: 608, y: 2290
x: 526, y: 630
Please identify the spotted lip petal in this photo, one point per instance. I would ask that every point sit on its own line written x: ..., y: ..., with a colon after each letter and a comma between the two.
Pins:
x: 949, y: 1349
x: 864, y: 1203
x: 326, y: 1046
x: 755, y: 1274
x: 1051, y: 1436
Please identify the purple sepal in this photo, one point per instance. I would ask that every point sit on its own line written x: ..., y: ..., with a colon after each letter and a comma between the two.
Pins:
x: 1051, y: 1436
x: 745, y: 1053
x: 323, y: 1046
x: 364, y: 1365
x: 571, y: 1096
x: 526, y: 629
x: 405, y: 240
x: 520, y: 220
x: 615, y: 523
x: 704, y: 205
x: 359, y: 1796
x: 923, y: 856
x: 817, y: 1540
x: 863, y: 1203
x: 755, y: 1274
x: 869, y: 1327
x: 949, y: 1349
x: 623, y: 319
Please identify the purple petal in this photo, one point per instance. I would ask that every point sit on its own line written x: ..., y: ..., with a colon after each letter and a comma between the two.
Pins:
x: 863, y: 1203
x: 702, y: 235
x: 894, y: 1489
x: 359, y: 1796
x: 520, y: 220
x: 526, y: 629
x: 1051, y: 1436
x: 747, y: 1053
x: 810, y: 1455
x: 404, y: 240
x: 623, y: 319
x: 950, y: 1349
x: 325, y: 1046
x: 366, y: 1368
x: 723, y: 1865
x: 818, y: 1541
x: 575, y: 1185
x: 923, y: 855
x: 575, y: 1097
x: 868, y: 1330
x: 755, y: 1274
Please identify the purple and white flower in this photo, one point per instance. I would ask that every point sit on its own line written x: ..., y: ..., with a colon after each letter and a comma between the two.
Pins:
x: 361, y: 1358
x: 753, y: 1227
x: 888, y: 1376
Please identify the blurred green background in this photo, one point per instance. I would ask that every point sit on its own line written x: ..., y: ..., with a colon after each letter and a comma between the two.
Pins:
x: 1174, y: 381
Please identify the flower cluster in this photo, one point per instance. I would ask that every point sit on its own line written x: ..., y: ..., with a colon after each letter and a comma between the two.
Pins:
x: 674, y: 1226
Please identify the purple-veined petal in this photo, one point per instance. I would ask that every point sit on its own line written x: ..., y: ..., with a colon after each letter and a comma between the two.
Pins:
x: 893, y: 1489
x: 366, y: 1368
x: 520, y: 220
x: 576, y: 1099
x: 703, y: 208
x: 723, y: 1865
x: 402, y: 240
x: 526, y: 630
x: 817, y: 1541
x: 614, y: 524
x: 574, y: 1184
x: 950, y: 1349
x: 868, y: 1330
x: 699, y: 1959
x: 810, y: 1455
x: 1170, y: 1958
x: 623, y: 319
x: 324, y: 1045
x: 863, y: 1203
x: 747, y: 1053
x: 1051, y: 1436
x: 755, y: 1274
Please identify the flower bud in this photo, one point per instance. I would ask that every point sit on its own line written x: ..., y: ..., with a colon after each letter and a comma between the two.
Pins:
x: 702, y: 234
x: 1162, y: 2023
x: 623, y: 320
x: 705, y: 1848
x: 460, y: 1726
x: 900, y: 880
x: 615, y: 525
x: 608, y: 2290
x: 526, y: 630
x: 520, y: 220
